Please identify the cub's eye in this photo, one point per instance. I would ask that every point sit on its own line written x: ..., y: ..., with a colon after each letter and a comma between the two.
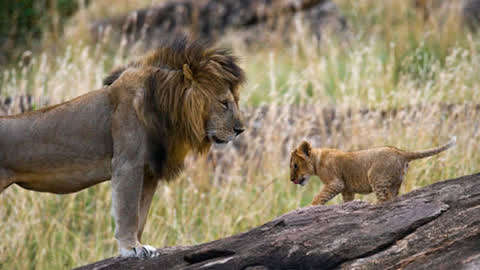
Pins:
x: 295, y: 166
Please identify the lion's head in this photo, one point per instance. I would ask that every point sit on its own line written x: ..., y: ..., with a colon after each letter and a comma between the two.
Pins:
x: 301, y: 164
x: 192, y: 97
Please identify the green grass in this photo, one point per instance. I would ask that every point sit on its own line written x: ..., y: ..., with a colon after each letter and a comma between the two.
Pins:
x: 391, y: 61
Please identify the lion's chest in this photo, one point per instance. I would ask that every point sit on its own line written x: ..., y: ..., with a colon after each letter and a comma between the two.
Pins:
x: 175, y: 160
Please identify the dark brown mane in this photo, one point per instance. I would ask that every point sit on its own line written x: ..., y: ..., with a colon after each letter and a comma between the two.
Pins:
x: 173, y: 54
x: 190, y: 76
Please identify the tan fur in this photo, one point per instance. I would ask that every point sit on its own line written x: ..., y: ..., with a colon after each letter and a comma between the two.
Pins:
x: 136, y: 130
x: 380, y: 170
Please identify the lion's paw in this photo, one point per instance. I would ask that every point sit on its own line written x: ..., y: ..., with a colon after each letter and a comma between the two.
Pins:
x: 142, y: 251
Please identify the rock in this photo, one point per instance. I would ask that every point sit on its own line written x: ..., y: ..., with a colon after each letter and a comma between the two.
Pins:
x: 211, y: 19
x: 434, y: 227
x: 467, y: 10
x: 471, y: 13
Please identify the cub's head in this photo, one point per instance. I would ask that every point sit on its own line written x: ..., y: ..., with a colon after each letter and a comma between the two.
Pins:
x: 301, y: 164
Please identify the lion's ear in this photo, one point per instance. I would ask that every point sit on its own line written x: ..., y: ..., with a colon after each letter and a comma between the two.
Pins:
x: 112, y: 77
x: 306, y: 148
x: 187, y: 72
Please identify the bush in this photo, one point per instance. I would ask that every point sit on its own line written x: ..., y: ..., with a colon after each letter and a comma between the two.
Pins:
x: 23, y: 22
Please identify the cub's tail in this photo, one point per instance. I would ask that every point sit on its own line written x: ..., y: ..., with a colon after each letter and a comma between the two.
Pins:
x: 430, y: 152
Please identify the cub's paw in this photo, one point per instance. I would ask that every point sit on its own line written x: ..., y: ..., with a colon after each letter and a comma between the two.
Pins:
x: 142, y: 251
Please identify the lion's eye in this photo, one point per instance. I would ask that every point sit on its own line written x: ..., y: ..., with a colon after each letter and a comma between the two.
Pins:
x: 295, y: 166
x: 224, y: 104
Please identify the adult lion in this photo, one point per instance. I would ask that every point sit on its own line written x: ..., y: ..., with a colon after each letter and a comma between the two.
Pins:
x: 134, y: 131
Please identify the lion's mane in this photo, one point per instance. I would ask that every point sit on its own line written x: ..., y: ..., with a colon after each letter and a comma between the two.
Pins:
x: 189, y: 77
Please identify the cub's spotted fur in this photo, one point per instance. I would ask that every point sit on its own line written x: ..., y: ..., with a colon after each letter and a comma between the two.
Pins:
x: 380, y: 170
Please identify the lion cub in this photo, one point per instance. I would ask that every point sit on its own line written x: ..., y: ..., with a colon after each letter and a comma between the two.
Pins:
x: 380, y: 170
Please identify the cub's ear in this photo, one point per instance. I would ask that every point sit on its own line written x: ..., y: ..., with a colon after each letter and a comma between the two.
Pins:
x: 306, y: 148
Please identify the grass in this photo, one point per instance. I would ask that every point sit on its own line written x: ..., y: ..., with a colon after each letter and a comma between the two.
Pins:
x: 391, y: 61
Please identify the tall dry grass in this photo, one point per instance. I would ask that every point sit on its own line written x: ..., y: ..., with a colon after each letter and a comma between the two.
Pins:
x: 291, y: 94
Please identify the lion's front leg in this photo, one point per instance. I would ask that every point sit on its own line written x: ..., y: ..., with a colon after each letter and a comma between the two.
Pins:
x: 128, y: 165
x: 149, y: 187
x: 126, y: 193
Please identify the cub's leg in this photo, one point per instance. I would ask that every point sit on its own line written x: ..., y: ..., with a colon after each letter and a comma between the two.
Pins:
x: 383, y: 186
x: 148, y: 190
x: 395, y: 188
x: 348, y: 196
x: 383, y: 177
x: 398, y: 179
x: 329, y: 191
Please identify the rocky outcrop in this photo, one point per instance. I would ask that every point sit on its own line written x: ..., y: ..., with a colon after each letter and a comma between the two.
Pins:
x: 253, y: 19
x: 441, y: 11
x: 435, y: 227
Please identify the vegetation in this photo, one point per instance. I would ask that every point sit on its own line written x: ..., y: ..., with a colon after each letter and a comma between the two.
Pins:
x: 392, y: 60
x: 25, y: 22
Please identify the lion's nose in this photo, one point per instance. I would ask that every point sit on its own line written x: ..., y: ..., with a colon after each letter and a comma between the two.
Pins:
x: 238, y: 130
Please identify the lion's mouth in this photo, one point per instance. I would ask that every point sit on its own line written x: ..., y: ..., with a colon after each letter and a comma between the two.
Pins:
x: 217, y: 140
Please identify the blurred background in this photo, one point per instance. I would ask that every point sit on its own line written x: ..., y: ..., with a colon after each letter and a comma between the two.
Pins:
x: 342, y: 74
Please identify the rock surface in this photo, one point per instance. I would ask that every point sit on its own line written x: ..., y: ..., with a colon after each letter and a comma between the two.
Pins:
x: 442, y: 11
x: 212, y: 18
x: 435, y: 227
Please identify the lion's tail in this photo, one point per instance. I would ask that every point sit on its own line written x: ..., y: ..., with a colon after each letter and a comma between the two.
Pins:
x: 430, y: 152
